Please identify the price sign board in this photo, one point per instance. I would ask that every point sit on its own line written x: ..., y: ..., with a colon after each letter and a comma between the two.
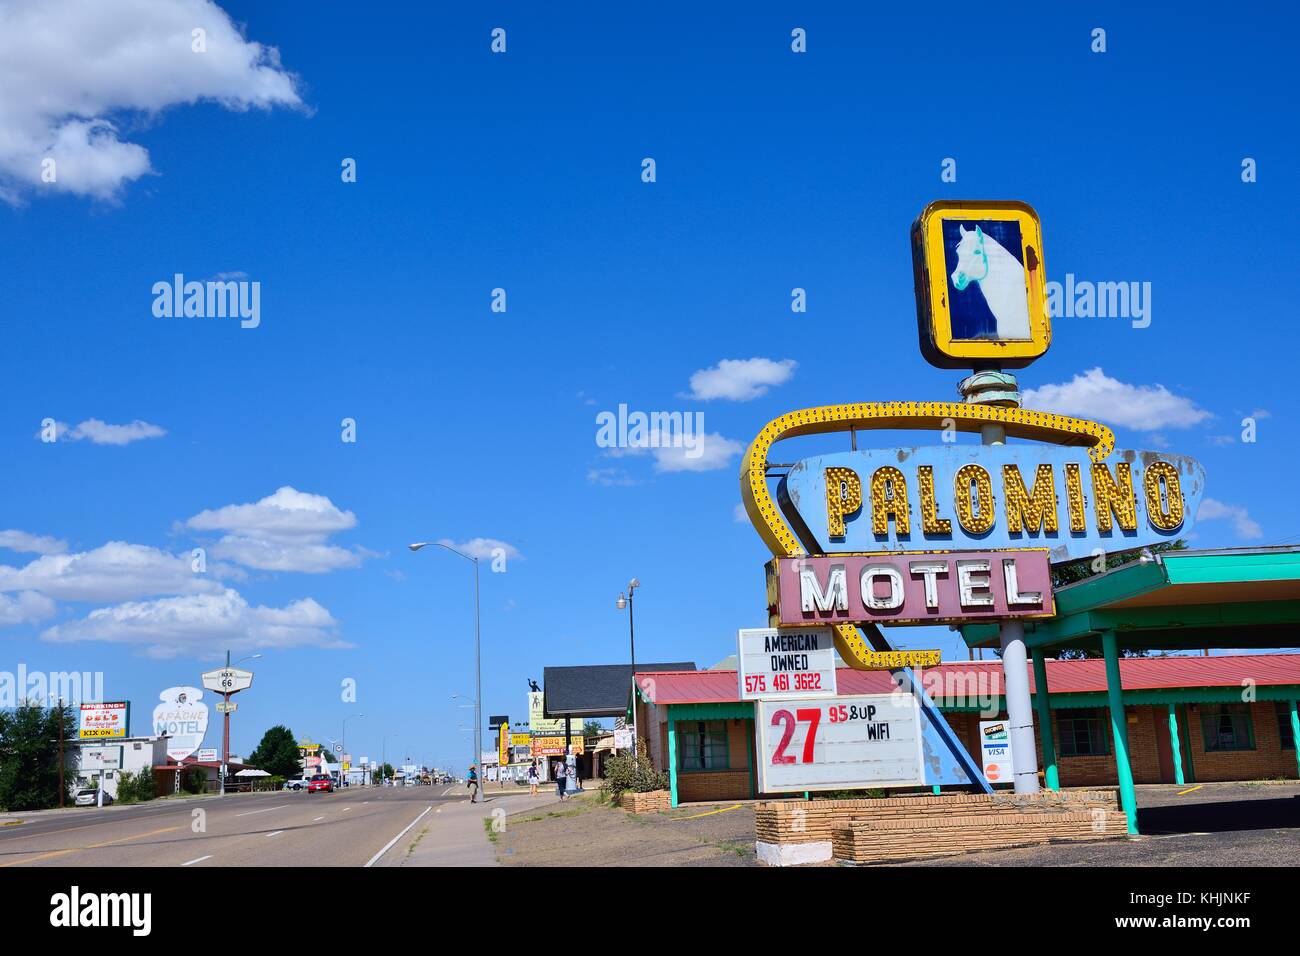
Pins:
x: 839, y: 743
x: 786, y: 662
x: 228, y: 680
x: 101, y: 758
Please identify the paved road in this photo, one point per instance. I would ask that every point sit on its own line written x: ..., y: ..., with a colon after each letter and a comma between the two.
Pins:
x: 355, y: 827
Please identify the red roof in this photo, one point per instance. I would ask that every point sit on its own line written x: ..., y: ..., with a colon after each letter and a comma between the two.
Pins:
x: 1063, y: 677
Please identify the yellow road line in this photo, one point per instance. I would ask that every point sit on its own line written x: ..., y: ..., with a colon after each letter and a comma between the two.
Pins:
x: 710, y: 813
x: 93, y: 846
x: 1190, y: 789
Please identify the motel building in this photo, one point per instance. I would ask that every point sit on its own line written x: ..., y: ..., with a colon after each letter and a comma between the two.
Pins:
x: 1114, y: 720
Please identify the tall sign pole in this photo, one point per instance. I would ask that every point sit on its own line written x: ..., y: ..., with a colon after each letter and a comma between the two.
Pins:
x: 225, y: 731
x: 227, y: 681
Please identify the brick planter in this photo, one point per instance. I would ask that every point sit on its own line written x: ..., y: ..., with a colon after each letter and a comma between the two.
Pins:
x: 655, y: 801
x: 791, y: 832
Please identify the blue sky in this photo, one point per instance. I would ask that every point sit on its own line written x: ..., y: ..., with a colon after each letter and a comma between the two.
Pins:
x: 522, y: 171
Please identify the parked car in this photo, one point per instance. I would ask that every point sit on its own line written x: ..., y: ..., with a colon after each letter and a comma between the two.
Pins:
x: 302, y: 784
x: 321, y: 782
x: 89, y: 797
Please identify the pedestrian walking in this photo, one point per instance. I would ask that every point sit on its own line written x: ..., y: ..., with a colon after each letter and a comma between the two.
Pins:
x: 471, y: 781
x: 560, y: 780
x: 532, y: 780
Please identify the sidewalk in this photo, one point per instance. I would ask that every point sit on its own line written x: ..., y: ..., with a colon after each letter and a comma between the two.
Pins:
x: 455, y: 834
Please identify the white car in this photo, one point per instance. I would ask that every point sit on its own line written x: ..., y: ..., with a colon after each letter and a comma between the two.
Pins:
x: 297, y: 784
x: 88, y: 797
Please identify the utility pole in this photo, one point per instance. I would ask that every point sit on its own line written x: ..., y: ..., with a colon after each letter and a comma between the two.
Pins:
x: 225, y: 731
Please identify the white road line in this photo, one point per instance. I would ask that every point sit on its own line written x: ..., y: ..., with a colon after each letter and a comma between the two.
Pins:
x: 197, y: 860
x: 251, y: 812
x: 314, y: 819
x: 389, y: 845
x: 345, y: 810
x: 275, y: 833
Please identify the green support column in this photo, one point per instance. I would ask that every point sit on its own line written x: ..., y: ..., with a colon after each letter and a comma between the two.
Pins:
x: 1173, y: 745
x: 1295, y: 734
x: 749, y: 756
x: 1119, y: 729
x: 672, y: 758
x: 1044, y: 706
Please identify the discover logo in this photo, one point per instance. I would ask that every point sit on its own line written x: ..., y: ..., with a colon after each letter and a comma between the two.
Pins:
x: 77, y: 909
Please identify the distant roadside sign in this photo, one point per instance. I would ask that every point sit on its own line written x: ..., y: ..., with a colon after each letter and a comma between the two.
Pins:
x: 786, y: 662
x: 104, y: 720
x: 839, y: 743
x: 101, y: 758
x: 208, y: 754
x: 228, y: 680
x: 224, y: 707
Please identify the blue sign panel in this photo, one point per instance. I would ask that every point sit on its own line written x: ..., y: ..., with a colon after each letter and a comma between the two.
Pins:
x: 941, y: 497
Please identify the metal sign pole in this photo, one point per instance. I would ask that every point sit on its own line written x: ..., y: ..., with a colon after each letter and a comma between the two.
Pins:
x: 995, y: 387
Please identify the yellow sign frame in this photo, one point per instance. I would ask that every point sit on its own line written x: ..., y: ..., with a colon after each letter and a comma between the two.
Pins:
x: 1016, y: 422
x: 933, y: 312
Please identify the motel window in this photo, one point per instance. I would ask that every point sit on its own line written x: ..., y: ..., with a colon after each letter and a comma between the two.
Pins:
x: 702, y: 744
x: 1284, y: 734
x: 1082, y: 733
x: 1227, y: 727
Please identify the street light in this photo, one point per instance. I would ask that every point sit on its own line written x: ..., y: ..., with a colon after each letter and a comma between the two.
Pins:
x: 225, y: 733
x: 478, y: 669
x: 621, y: 603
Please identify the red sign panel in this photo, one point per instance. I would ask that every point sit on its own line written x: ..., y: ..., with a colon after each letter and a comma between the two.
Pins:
x: 915, y: 587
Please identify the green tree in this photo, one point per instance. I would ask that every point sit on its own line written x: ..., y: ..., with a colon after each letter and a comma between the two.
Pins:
x: 277, y: 754
x: 384, y: 770
x: 1082, y: 570
x: 29, y: 756
x: 592, y: 728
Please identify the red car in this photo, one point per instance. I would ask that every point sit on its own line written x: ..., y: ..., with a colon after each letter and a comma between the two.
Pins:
x: 321, y: 781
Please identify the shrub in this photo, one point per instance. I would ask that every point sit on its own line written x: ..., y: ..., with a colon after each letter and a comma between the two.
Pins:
x: 194, y: 780
x: 126, y: 787
x: 624, y: 773
x: 145, y: 786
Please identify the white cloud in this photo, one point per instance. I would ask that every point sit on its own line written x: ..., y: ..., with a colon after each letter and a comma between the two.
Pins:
x: 199, y: 625
x: 70, y: 69
x: 740, y: 379
x: 485, y: 549
x: 740, y: 515
x: 102, y: 433
x: 115, y: 571
x: 711, y: 452
x: 1243, y: 525
x: 609, y: 477
x: 25, y: 543
x: 25, y: 607
x: 285, y: 531
x: 1094, y: 394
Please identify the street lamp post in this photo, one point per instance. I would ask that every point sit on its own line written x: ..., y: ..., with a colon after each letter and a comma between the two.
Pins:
x: 478, y: 661
x: 626, y: 602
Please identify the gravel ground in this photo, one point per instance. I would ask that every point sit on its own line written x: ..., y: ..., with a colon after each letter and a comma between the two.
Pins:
x: 1232, y: 824
x: 585, y: 832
